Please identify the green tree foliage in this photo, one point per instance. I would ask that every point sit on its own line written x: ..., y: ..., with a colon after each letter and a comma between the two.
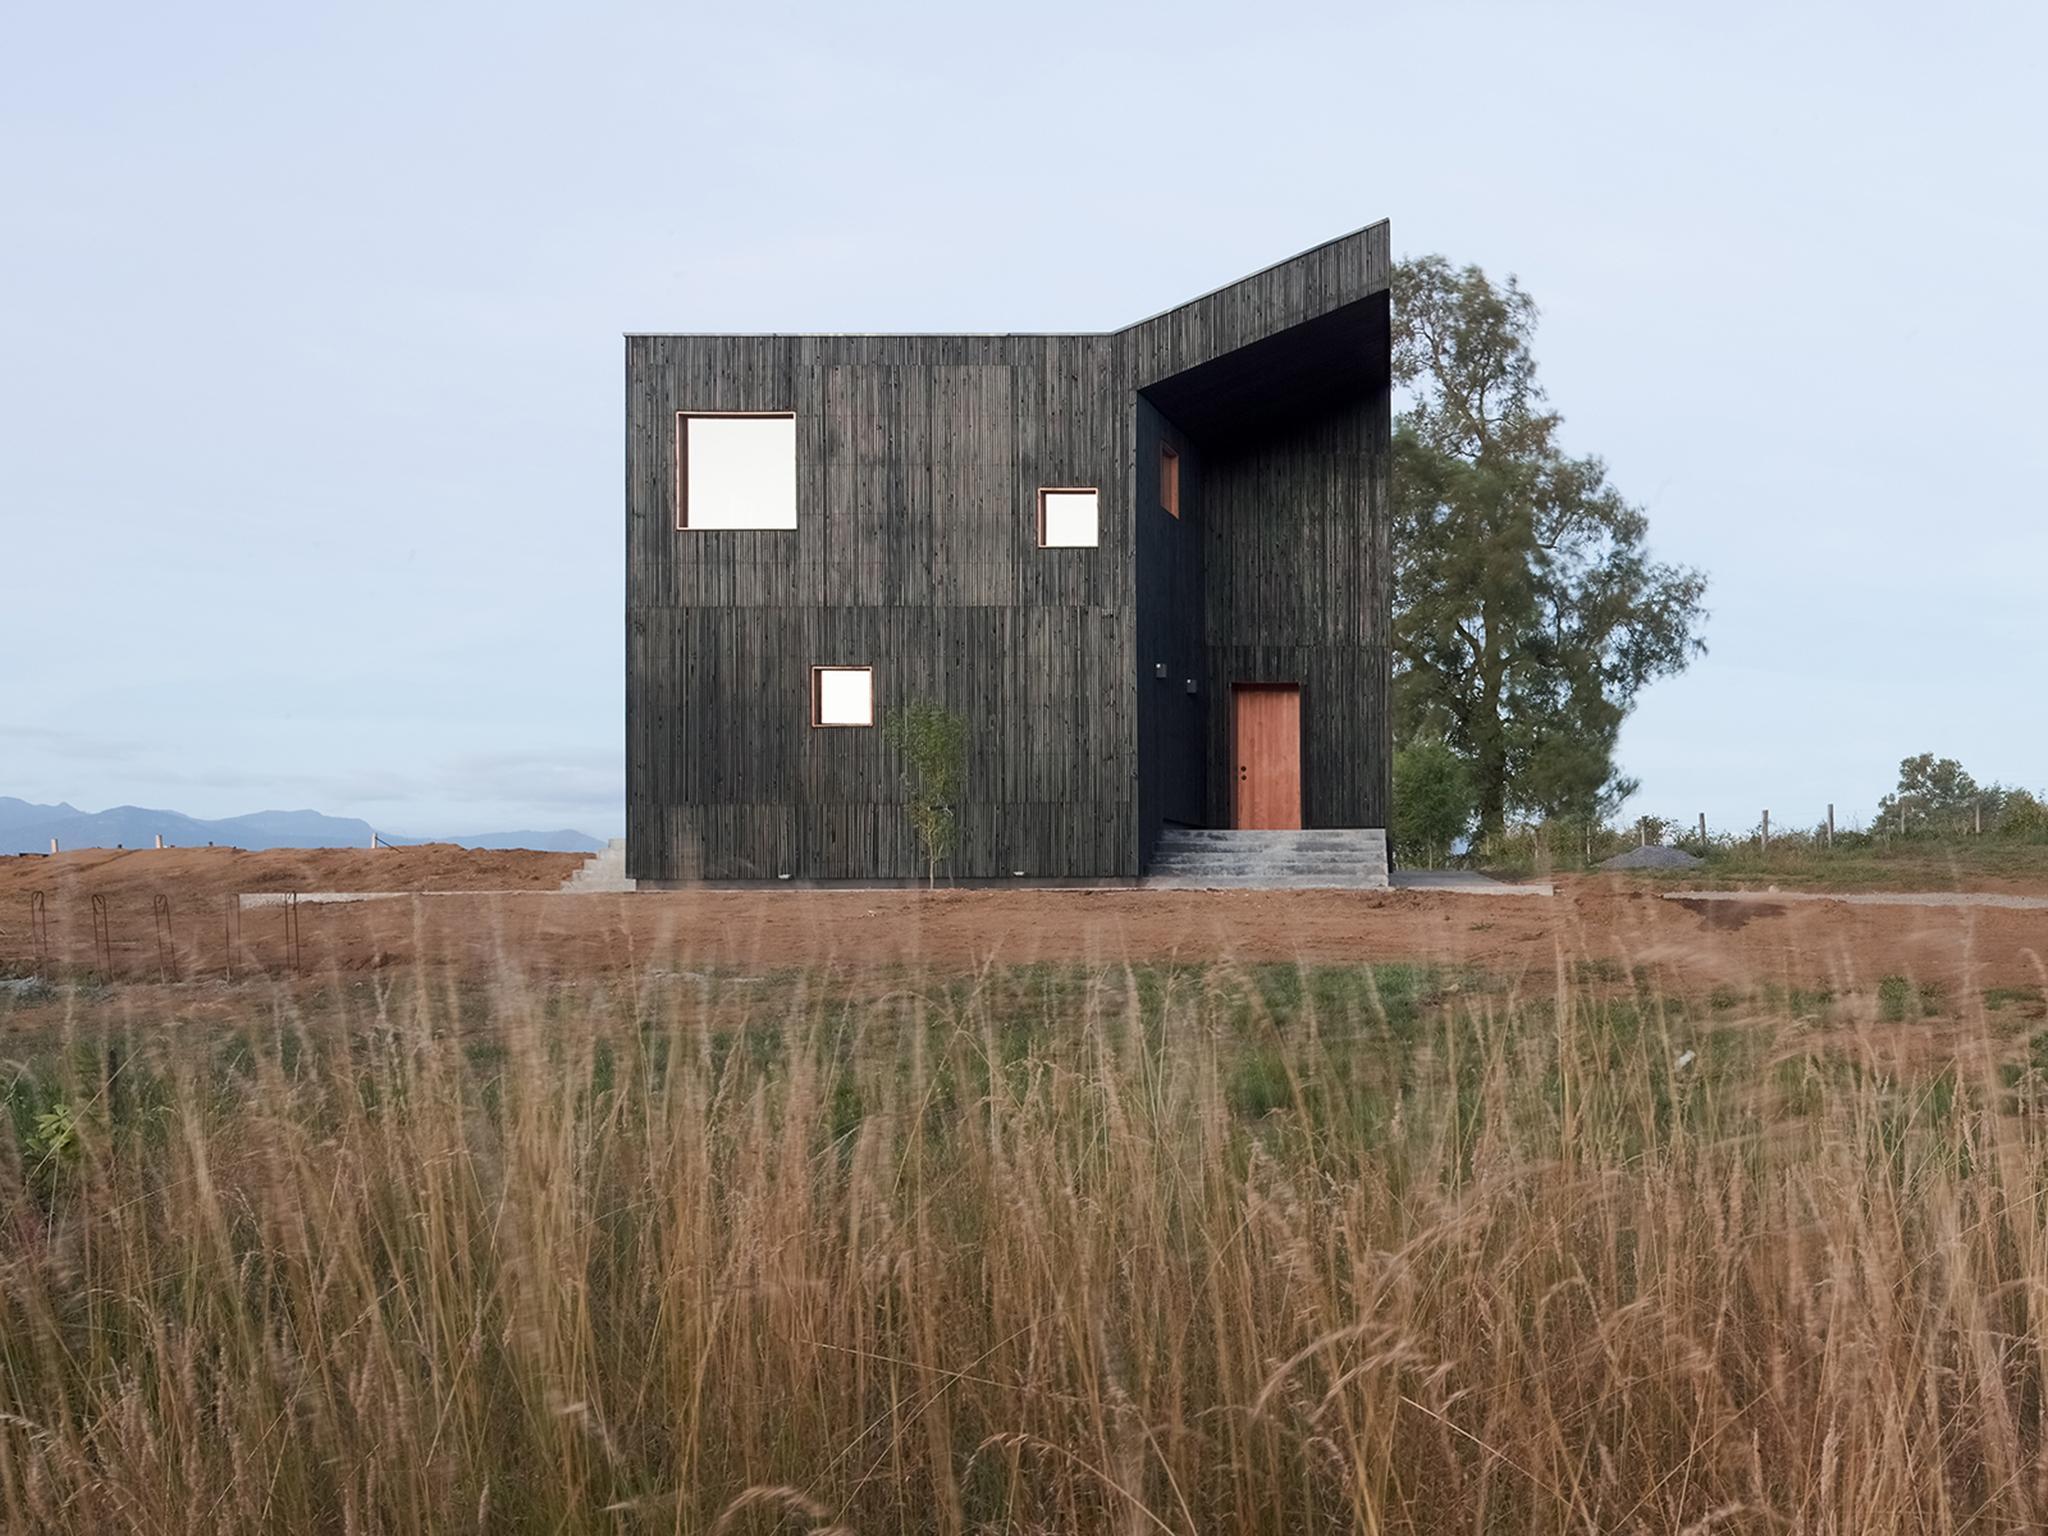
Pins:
x: 932, y: 741
x: 1433, y: 800
x: 2023, y: 815
x: 1935, y: 794
x: 1528, y: 613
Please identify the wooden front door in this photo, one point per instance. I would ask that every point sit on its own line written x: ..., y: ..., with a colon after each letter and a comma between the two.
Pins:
x: 1267, y: 737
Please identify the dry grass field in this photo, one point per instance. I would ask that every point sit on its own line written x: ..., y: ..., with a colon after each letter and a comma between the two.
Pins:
x: 717, y: 1238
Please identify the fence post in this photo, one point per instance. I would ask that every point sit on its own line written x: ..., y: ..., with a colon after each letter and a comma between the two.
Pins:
x: 166, y: 940
x: 1980, y: 818
x: 1703, y: 831
x: 39, y: 932
x: 1767, y: 832
x: 1643, y: 832
x: 103, y: 937
x: 1831, y: 823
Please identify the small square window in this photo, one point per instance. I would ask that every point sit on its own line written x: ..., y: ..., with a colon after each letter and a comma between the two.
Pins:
x: 1069, y: 517
x: 1169, y: 480
x: 735, y: 470
x: 842, y: 696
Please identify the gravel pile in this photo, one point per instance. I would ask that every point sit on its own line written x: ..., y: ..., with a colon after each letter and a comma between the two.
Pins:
x: 1653, y: 858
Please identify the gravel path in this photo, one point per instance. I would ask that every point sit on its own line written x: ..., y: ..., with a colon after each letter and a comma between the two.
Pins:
x: 1465, y: 882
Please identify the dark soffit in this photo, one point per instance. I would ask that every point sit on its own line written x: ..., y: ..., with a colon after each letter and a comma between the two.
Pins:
x: 1339, y: 356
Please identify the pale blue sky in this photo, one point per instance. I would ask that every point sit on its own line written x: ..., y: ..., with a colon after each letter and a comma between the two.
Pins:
x: 310, y: 360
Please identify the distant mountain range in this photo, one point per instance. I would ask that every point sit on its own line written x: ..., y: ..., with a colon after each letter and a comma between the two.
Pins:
x: 28, y: 828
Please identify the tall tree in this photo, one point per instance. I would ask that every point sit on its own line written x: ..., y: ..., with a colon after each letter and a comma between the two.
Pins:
x: 1527, y: 612
x: 1937, y: 794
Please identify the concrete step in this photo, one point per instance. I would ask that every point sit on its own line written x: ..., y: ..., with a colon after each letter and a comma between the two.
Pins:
x: 1249, y: 869
x: 1288, y: 850
x: 1277, y: 855
x: 1355, y: 882
x: 1268, y: 834
x: 1276, y: 871
x: 1326, y: 851
x: 1290, y: 837
x: 603, y: 871
x: 1332, y: 859
x: 1215, y: 858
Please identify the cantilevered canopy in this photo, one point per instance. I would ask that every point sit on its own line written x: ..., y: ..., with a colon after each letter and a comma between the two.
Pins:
x: 1305, y: 333
x: 1292, y: 374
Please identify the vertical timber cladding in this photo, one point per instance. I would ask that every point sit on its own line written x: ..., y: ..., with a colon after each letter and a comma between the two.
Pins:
x: 915, y: 552
x: 1297, y: 591
x: 1281, y: 386
x: 919, y: 460
x: 1173, y: 723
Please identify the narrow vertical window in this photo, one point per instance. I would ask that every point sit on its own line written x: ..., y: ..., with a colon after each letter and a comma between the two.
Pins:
x: 842, y: 696
x: 735, y: 469
x: 1169, y: 480
x: 1069, y: 517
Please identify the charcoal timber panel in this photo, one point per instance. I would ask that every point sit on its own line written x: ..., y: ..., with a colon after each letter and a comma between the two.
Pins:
x: 919, y: 460
x: 1341, y: 272
x: 915, y: 552
x: 1295, y: 568
x: 1172, y: 723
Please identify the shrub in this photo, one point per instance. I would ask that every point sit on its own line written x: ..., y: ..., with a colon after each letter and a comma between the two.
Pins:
x: 2023, y: 817
x: 1434, y: 799
x: 933, y: 743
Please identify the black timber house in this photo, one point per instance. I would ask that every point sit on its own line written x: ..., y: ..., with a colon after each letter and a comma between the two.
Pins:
x: 1149, y: 567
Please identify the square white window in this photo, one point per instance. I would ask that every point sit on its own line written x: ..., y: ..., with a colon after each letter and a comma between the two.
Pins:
x: 842, y: 695
x: 1069, y: 518
x: 735, y: 471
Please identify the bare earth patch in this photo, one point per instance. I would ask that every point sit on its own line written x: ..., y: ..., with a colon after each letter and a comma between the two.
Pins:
x: 1617, y: 926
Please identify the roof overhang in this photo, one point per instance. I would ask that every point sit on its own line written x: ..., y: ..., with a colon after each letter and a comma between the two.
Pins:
x: 1303, y: 336
x: 1319, y: 365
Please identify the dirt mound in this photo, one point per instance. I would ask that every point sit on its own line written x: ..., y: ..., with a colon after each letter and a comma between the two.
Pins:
x: 197, y: 874
x: 1653, y: 856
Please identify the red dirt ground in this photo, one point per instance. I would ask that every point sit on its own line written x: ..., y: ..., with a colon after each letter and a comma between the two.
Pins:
x: 1602, y: 925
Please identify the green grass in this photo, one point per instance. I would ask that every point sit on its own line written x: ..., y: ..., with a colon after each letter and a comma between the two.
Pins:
x: 2023, y: 999
x: 1899, y: 998
x: 1910, y: 866
x: 1799, y: 862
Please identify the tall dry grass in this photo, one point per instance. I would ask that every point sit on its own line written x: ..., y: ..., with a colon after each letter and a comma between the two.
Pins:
x: 1123, y: 1252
